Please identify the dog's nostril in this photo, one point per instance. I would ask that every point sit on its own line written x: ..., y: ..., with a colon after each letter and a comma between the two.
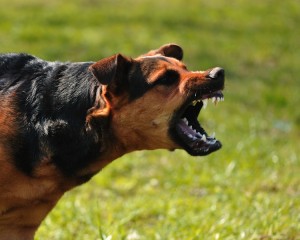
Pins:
x: 217, y: 73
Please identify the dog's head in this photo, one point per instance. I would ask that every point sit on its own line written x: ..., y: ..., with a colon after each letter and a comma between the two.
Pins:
x: 153, y: 101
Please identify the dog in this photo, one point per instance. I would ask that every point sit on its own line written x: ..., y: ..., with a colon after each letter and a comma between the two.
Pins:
x: 61, y: 123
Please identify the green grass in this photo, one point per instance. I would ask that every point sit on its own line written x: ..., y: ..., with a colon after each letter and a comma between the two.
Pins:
x: 250, y: 189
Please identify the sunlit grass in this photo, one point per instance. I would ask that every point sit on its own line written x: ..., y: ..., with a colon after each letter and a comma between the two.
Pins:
x: 247, y: 190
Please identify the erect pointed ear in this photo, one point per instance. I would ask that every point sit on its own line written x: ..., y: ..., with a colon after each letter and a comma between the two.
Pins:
x: 168, y: 50
x: 109, y: 70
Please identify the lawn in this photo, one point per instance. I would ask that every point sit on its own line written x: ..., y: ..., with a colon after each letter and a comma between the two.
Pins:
x: 250, y: 189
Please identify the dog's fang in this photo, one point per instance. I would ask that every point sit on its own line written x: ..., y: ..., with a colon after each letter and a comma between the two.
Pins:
x: 204, y: 101
x: 213, y: 135
x: 186, y: 121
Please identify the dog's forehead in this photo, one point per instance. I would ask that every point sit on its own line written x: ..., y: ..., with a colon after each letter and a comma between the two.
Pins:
x: 160, y: 59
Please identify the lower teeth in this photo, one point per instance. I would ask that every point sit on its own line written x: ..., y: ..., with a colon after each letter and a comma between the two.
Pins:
x: 198, y: 135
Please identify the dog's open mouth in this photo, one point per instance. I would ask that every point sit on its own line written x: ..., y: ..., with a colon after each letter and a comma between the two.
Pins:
x: 186, y: 129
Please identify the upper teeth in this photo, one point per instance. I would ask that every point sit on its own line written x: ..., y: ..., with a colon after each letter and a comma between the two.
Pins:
x: 195, y: 102
x: 204, y: 101
x: 198, y: 135
x: 215, y: 100
x: 213, y: 135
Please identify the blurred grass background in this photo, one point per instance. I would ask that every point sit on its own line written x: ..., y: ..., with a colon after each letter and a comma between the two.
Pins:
x: 250, y: 189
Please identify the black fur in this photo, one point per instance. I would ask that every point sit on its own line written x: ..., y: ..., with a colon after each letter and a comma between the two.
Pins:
x: 138, y: 88
x: 51, y: 101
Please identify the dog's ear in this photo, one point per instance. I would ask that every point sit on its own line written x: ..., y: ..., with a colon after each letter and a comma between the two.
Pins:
x: 168, y: 50
x: 111, y: 70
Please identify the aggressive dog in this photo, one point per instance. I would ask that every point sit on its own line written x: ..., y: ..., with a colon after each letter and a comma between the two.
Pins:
x: 61, y: 123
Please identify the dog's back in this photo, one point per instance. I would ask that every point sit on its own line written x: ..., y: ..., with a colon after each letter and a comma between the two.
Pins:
x: 43, y: 97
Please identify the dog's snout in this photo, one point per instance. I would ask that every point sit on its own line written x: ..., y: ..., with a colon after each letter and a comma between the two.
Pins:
x: 217, y: 73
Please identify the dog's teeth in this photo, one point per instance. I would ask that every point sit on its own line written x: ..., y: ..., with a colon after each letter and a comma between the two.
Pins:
x: 196, y: 133
x: 203, y: 138
x: 194, y: 102
x: 213, y: 135
x: 185, y: 121
x: 215, y: 100
x: 204, y: 101
x: 222, y: 99
x: 218, y: 99
x: 190, y: 136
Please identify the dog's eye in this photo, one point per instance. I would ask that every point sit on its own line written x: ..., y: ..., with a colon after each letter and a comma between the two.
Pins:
x: 168, y: 78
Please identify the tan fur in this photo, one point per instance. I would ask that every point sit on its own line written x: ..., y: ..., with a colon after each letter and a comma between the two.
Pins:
x: 24, y: 201
x: 142, y: 123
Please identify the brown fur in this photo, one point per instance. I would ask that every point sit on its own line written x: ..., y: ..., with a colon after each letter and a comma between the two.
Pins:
x: 129, y: 125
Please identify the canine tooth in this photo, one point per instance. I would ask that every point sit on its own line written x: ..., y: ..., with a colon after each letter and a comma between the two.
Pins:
x: 190, y: 136
x: 194, y: 102
x: 204, y: 101
x: 203, y: 138
x: 213, y: 135
x: 215, y: 100
x: 218, y: 99
x: 185, y: 121
x: 212, y: 142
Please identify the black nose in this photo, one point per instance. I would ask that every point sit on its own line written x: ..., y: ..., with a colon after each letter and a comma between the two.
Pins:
x: 217, y: 73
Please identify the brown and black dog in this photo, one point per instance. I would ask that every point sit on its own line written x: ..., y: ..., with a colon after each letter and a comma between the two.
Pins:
x: 61, y: 123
